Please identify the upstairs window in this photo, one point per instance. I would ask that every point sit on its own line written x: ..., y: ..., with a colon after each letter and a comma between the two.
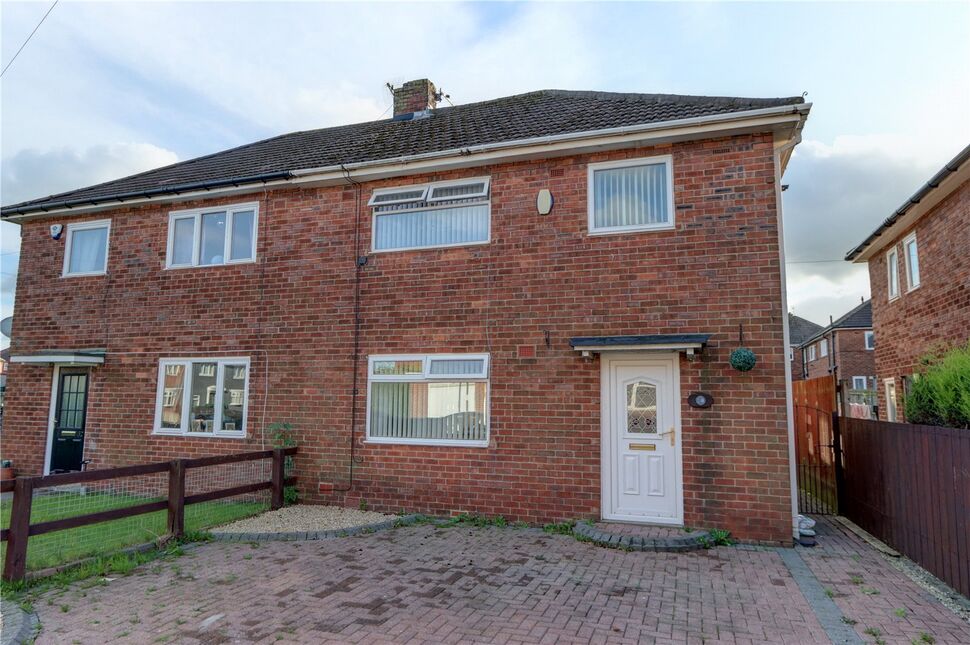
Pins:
x: 870, y: 339
x: 202, y: 397
x: 911, y: 254
x: 892, y: 267
x: 212, y: 236
x: 86, y: 248
x: 823, y: 347
x: 631, y: 195
x: 443, y: 214
x: 434, y: 399
x: 811, y: 352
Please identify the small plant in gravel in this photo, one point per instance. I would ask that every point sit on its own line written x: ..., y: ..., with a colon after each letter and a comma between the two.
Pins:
x: 849, y: 621
x: 876, y: 635
x: 830, y: 593
x: 856, y: 580
x: 559, y: 528
x: 870, y: 591
x: 900, y: 613
x: 925, y: 638
x: 362, y: 505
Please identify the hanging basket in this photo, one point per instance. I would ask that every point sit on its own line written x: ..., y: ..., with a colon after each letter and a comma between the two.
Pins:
x: 743, y: 359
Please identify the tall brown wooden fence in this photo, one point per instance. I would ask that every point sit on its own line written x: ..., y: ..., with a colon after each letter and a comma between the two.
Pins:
x: 909, y: 485
x: 814, y: 403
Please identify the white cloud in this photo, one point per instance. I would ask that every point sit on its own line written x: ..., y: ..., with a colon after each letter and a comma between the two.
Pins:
x: 839, y: 193
x: 33, y: 173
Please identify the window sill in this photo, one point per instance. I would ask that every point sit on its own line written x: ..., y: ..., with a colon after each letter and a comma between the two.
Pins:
x: 90, y: 274
x: 179, y: 267
x: 912, y: 289
x: 631, y: 229
x: 432, y: 247
x: 428, y: 442
x: 199, y: 435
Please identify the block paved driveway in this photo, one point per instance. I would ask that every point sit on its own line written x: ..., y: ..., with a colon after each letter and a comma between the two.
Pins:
x: 423, y: 584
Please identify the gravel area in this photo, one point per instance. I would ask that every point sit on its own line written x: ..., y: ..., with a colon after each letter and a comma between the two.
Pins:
x: 304, y: 518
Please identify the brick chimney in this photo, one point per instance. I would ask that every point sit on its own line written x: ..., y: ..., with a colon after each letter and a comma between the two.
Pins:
x: 414, y: 96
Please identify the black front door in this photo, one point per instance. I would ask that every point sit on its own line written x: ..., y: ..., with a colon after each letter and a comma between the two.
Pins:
x: 67, y: 448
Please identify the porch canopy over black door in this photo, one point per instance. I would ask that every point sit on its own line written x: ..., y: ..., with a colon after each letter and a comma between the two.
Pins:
x: 67, y: 448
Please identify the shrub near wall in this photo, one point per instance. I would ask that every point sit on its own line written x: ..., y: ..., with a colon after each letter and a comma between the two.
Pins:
x: 940, y: 396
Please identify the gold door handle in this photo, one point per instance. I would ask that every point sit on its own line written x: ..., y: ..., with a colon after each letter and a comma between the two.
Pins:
x: 673, y: 434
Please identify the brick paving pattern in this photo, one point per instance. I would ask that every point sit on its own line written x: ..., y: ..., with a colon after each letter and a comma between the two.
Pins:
x: 423, y: 584
x: 876, y: 595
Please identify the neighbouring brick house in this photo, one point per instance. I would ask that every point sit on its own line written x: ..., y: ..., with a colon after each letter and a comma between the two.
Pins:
x: 799, y: 330
x: 499, y: 307
x: 844, y: 348
x: 919, y: 272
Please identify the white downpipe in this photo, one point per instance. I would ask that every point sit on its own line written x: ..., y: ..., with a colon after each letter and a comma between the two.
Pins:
x: 789, y: 403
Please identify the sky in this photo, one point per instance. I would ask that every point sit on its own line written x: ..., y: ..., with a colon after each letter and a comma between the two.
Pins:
x: 103, y: 90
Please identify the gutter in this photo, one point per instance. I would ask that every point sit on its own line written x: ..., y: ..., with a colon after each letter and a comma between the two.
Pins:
x: 920, y: 194
x: 428, y: 161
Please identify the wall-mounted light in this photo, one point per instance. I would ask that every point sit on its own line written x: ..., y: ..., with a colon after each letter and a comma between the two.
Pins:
x: 544, y: 202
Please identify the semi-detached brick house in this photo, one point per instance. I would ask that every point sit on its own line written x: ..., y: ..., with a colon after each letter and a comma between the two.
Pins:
x: 844, y: 348
x: 499, y: 307
x: 919, y: 274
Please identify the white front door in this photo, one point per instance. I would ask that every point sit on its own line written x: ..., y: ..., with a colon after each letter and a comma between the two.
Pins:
x: 642, y: 475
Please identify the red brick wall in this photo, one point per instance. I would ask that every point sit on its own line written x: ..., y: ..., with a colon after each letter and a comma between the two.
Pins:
x: 822, y: 365
x: 797, y: 365
x: 851, y: 355
x: 934, y: 316
x: 292, y: 313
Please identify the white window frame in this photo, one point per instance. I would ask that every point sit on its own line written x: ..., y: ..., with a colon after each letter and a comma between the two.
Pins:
x: 196, y: 214
x: 69, y: 240
x: 430, y: 198
x: 855, y: 383
x: 892, y: 405
x: 823, y: 347
x: 218, y: 432
x: 811, y: 352
x: 398, y: 189
x: 892, y: 286
x: 668, y: 162
x: 910, y: 239
x: 433, y: 205
x: 869, y: 341
x: 427, y: 377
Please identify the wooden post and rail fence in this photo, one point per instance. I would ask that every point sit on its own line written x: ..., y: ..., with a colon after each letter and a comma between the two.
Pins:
x: 21, y: 529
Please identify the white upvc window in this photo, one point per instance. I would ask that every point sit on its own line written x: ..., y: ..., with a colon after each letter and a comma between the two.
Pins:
x: 438, y: 215
x: 86, y: 248
x: 212, y: 236
x: 870, y: 340
x: 892, y: 268
x: 428, y: 399
x: 202, y: 397
x: 811, y: 352
x: 859, y: 383
x: 631, y: 195
x: 911, y: 257
x: 892, y: 413
x: 823, y: 347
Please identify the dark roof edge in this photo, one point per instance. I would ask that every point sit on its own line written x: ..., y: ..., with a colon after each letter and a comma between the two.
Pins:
x: 649, y: 339
x: 934, y: 183
x: 151, y: 192
x: 836, y: 325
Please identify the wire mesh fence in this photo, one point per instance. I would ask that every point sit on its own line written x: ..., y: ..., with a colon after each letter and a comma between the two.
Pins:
x: 57, y: 511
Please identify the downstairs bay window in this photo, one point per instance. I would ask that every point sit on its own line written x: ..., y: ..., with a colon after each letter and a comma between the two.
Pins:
x: 433, y: 399
x: 202, y: 397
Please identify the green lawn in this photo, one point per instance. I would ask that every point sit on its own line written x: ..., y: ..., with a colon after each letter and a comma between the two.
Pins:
x: 61, y: 547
